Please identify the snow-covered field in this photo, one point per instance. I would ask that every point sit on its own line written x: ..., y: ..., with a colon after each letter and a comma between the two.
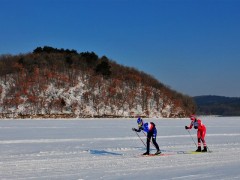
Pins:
x: 108, y: 149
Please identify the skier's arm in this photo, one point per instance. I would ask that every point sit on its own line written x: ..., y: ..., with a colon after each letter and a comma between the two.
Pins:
x: 189, y: 127
x: 137, y: 130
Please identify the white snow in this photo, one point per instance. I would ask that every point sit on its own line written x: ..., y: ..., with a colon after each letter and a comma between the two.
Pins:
x: 108, y: 149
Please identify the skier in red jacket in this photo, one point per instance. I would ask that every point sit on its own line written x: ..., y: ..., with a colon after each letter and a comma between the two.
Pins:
x: 197, y: 124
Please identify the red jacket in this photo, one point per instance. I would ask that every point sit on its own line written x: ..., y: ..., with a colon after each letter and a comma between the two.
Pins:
x: 197, y: 124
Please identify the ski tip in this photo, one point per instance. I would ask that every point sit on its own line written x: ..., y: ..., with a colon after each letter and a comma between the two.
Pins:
x: 195, y: 152
x: 202, y: 152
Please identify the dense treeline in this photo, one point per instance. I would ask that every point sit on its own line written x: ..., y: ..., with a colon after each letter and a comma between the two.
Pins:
x: 108, y: 88
x: 218, y: 105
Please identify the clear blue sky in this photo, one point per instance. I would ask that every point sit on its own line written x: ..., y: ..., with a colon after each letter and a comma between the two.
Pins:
x: 192, y: 46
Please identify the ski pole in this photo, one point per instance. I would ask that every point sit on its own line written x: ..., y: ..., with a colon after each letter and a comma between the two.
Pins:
x: 192, y: 138
x: 141, y: 139
x: 207, y: 147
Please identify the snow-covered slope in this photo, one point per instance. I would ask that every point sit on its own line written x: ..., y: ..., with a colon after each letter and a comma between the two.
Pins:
x: 108, y: 149
x: 82, y: 101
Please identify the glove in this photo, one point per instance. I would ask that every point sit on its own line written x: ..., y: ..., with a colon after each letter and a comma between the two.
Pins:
x: 186, y: 127
x: 134, y: 129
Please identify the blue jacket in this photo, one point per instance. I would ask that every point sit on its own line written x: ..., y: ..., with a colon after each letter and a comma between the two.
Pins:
x: 149, y: 127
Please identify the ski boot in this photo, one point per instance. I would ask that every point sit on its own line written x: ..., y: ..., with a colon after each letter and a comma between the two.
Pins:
x: 204, y: 149
x: 199, y: 149
x: 146, y: 153
x: 158, y: 152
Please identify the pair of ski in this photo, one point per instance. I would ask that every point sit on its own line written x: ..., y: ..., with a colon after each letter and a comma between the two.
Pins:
x: 193, y: 152
x: 162, y: 154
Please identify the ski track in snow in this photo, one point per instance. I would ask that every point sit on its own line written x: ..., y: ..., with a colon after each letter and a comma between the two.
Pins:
x: 103, y: 149
x: 98, y: 139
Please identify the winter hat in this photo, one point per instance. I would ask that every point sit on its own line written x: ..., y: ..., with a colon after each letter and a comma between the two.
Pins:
x: 192, y: 117
x: 139, y: 120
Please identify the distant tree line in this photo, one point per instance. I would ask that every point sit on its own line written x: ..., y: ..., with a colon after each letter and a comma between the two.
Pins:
x: 218, y: 105
x: 48, y: 49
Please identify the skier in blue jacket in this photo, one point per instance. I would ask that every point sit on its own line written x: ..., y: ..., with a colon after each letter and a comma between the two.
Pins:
x: 150, y: 129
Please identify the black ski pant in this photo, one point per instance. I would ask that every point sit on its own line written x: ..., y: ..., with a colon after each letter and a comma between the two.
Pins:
x: 149, y: 137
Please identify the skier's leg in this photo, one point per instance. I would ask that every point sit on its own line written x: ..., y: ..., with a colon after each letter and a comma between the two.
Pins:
x: 203, y: 133
x: 148, y: 143
x: 154, y: 137
x: 199, y: 141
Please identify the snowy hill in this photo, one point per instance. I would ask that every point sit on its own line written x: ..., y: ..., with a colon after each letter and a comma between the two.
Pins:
x: 58, y: 83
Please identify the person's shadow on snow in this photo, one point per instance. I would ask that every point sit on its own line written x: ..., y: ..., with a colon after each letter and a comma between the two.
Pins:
x: 103, y: 152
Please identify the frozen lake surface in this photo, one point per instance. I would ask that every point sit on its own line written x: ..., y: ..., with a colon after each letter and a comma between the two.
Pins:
x: 109, y: 149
